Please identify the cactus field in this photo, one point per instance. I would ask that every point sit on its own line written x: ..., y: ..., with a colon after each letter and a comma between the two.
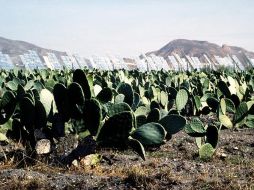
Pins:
x: 91, y: 129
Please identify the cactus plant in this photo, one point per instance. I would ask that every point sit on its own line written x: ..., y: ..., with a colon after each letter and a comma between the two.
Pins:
x: 127, y: 90
x: 105, y: 95
x: 137, y: 147
x: 92, y: 116
x: 225, y: 121
x: 150, y: 134
x: 116, y: 130
x: 76, y: 100
x: 241, y: 112
x: 181, y: 99
x: 224, y: 89
x: 206, y: 151
x: 7, y: 106
x: 80, y: 78
x: 27, y: 111
x: 173, y: 123
x: 164, y: 99
x: 212, y: 135
x: 153, y: 116
x: 114, y: 109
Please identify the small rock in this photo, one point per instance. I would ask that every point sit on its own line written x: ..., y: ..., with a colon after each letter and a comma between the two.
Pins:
x: 75, y: 163
x: 223, y: 155
x: 90, y: 160
x: 29, y: 177
x: 43, y: 146
x: 235, y: 148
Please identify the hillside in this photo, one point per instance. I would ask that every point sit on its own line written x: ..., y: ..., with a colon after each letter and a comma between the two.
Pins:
x: 198, y: 48
x: 15, y: 48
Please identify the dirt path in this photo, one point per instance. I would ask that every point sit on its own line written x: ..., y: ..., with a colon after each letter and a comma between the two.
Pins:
x: 174, y: 166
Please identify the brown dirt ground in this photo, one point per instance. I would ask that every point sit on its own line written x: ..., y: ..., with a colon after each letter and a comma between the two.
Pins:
x: 175, y: 165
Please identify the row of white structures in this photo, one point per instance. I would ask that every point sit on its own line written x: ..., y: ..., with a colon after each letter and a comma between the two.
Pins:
x: 32, y: 60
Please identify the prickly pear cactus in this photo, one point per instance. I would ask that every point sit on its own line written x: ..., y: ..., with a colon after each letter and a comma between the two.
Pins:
x: 212, y: 135
x: 241, y: 112
x: 116, y: 130
x: 195, y: 128
x: 127, y: 91
x: 114, y: 109
x: 153, y: 116
x: 92, y: 116
x: 225, y: 121
x: 7, y: 106
x: 76, y: 100
x: 105, y: 95
x: 80, y: 78
x: 181, y: 99
x: 62, y: 100
x: 150, y: 134
x: 137, y: 147
x: 173, y: 123
x: 27, y: 111
x: 224, y: 89
x: 206, y: 151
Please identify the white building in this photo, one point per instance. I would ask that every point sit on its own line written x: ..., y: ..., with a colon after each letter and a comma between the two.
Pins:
x: 31, y: 60
x: 160, y: 62
x: 101, y: 63
x: 5, y: 62
x: 52, y: 62
x: 70, y: 62
x: 174, y: 63
x: 118, y: 63
x: 81, y: 61
x: 237, y: 63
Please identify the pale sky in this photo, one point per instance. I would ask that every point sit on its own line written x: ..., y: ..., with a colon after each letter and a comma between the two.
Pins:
x: 126, y: 27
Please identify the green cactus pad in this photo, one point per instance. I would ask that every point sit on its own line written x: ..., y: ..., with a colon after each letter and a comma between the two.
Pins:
x: 41, y: 115
x: 223, y: 106
x: 150, y: 134
x: 225, y: 121
x: 153, y: 116
x: 241, y: 112
x: 7, y: 106
x: 181, y: 99
x: 114, y: 109
x: 173, y: 123
x: 80, y: 78
x: 206, y: 151
x: 92, y: 116
x: 212, y: 103
x: 127, y: 90
x: 197, y: 102
x: 212, y: 135
x: 224, y: 88
x: 12, y: 85
x: 76, y: 100
x: 197, y: 126
x: 62, y: 101
x: 47, y: 99
x: 137, y: 147
x: 105, y: 95
x: 27, y: 110
x: 119, y: 98
x: 164, y: 99
x: 141, y: 120
x: 116, y: 130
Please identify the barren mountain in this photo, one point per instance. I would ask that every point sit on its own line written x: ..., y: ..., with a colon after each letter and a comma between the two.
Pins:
x: 15, y: 48
x: 198, y: 48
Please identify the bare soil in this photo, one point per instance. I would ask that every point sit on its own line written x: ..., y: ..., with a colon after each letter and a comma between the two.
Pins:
x: 175, y: 165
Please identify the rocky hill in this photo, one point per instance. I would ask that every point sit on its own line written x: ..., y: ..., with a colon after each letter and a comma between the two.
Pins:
x: 198, y: 48
x: 15, y: 48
